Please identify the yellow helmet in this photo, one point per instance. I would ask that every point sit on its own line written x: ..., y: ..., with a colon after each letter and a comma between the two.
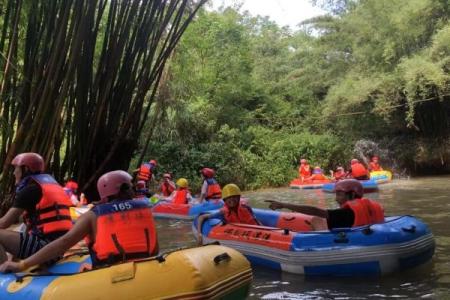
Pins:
x: 230, y: 190
x: 182, y: 183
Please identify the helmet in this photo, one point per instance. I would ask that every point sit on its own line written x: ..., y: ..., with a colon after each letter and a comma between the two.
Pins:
x: 303, y: 161
x: 71, y: 185
x: 354, y: 161
x: 167, y: 175
x: 350, y: 185
x: 340, y: 169
x: 207, y: 172
x: 182, y: 183
x: 374, y: 158
x: 33, y: 161
x: 140, y: 184
x: 109, y: 183
x: 230, y: 190
x: 153, y: 162
x: 317, y: 170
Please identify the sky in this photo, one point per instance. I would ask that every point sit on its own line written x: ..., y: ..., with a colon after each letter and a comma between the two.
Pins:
x: 284, y: 12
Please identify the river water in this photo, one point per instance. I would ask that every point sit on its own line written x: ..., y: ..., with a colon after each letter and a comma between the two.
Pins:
x: 426, y: 198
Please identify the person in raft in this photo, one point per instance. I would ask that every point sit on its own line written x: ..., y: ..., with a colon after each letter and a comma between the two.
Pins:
x: 167, y: 187
x: 118, y: 229
x: 140, y: 191
x: 354, y: 210
x: 71, y: 189
x: 210, y: 188
x: 374, y: 165
x: 304, y: 170
x: 339, y: 174
x: 42, y: 203
x: 181, y: 195
x: 232, y: 212
x: 146, y: 171
x: 357, y: 170
x: 317, y: 174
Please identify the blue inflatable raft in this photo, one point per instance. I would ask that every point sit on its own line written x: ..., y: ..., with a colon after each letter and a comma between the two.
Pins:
x: 399, y: 243
x: 369, y: 186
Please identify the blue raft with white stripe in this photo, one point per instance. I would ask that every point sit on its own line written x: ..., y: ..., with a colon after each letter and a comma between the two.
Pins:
x: 369, y: 186
x: 400, y: 243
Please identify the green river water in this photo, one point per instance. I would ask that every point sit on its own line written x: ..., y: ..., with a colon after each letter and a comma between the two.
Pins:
x: 427, y: 198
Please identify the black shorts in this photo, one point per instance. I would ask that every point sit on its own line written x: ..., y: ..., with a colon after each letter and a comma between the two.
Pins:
x: 30, y: 244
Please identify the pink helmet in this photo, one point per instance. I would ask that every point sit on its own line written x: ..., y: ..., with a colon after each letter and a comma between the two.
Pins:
x: 354, y: 161
x: 153, y: 162
x: 109, y: 183
x: 33, y: 161
x: 374, y: 158
x: 350, y: 185
x: 208, y: 173
x: 167, y: 175
x: 303, y: 161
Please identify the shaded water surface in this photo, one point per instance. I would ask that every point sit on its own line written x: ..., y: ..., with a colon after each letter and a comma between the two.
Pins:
x: 426, y: 198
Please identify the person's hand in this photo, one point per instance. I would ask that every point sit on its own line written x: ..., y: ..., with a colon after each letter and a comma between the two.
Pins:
x: 199, y: 239
x: 11, y: 266
x: 274, y: 204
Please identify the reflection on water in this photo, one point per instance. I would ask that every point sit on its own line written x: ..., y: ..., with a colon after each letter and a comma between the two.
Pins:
x: 426, y: 198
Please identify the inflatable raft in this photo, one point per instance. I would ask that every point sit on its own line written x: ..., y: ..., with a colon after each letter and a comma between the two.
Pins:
x: 297, y: 183
x: 369, y: 186
x: 399, y: 243
x: 208, y: 272
x: 167, y: 209
x: 381, y: 176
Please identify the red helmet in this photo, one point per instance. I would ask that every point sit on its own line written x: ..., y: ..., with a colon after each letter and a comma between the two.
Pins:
x: 354, y: 161
x: 33, y: 161
x: 109, y: 183
x: 350, y: 185
x: 207, y: 172
x: 167, y: 175
x: 153, y: 162
x: 303, y: 161
x: 71, y: 185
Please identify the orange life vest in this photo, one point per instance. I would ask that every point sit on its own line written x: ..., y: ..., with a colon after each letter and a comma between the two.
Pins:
x: 304, y: 171
x: 375, y: 166
x: 180, y: 196
x: 358, y: 170
x: 366, y: 211
x: 125, y: 231
x: 145, y: 172
x: 167, y: 188
x: 243, y: 215
x: 214, y: 191
x: 52, y: 211
x: 318, y: 177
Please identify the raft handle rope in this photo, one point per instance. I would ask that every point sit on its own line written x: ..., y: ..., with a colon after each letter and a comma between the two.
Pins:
x: 411, y: 229
x: 222, y: 257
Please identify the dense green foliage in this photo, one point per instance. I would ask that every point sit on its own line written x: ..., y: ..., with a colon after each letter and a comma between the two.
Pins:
x: 250, y: 98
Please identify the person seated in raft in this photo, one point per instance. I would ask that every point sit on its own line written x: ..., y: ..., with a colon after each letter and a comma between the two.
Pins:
x: 71, y: 189
x: 357, y: 170
x: 140, y: 191
x: 354, y: 210
x: 182, y: 194
x: 304, y: 170
x: 210, y: 188
x: 232, y: 212
x: 339, y: 174
x: 119, y: 229
x: 167, y: 187
x: 374, y: 165
x: 42, y: 203
x: 317, y: 174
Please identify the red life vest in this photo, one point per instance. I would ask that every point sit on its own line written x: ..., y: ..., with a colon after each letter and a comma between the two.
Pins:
x: 167, y: 188
x: 52, y: 211
x: 366, y: 211
x: 145, y: 172
x: 375, y: 166
x: 358, y: 170
x: 125, y: 231
x: 244, y: 215
x: 214, y: 191
x: 180, y: 196
x: 304, y: 171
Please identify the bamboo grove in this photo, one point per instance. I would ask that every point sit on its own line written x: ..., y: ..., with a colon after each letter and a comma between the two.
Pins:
x: 79, y: 79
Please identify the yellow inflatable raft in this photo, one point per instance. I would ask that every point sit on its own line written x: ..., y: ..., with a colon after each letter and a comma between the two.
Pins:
x: 209, y: 272
x: 381, y: 176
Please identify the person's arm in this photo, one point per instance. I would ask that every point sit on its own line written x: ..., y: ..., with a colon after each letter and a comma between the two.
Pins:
x: 203, y: 192
x: 10, y: 217
x: 304, y: 209
x: 200, y: 221
x: 56, y: 248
